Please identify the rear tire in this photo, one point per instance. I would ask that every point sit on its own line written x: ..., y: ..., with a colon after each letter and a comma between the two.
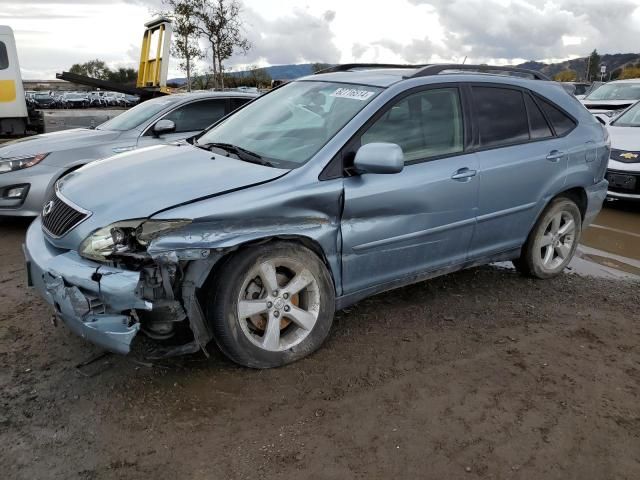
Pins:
x: 553, y: 240
x: 271, y: 304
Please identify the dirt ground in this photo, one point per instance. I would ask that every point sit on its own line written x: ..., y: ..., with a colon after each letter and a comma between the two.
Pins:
x: 480, y: 374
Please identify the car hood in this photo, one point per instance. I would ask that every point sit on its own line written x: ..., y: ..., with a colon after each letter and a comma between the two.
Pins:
x: 625, y: 138
x: 140, y: 183
x: 56, y: 141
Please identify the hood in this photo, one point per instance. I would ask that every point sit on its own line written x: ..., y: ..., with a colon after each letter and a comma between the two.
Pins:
x: 56, y: 141
x: 140, y: 183
x: 625, y: 138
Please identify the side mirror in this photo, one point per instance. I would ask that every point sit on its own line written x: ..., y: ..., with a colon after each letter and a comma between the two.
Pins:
x: 163, y: 126
x: 379, y: 158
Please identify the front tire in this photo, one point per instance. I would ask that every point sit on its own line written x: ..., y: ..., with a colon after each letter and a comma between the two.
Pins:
x: 553, y: 240
x: 271, y: 304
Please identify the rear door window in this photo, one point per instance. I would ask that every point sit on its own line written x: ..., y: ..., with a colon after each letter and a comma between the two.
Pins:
x: 197, y: 116
x: 562, y: 123
x: 4, y: 57
x: 538, y: 126
x: 501, y: 116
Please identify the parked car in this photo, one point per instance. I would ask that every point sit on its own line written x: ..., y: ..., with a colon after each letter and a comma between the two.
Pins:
x: 611, y: 98
x: 623, y: 173
x: 75, y: 100
x: 44, y: 100
x: 130, y: 100
x: 326, y: 190
x: 30, y: 166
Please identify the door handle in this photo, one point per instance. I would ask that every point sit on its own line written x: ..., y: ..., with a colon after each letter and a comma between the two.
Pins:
x: 554, y: 156
x: 464, y: 174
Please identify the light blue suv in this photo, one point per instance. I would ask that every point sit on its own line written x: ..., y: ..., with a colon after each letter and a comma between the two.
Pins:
x: 325, y: 191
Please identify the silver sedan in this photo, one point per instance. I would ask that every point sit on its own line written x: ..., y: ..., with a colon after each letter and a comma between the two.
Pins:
x: 29, y: 167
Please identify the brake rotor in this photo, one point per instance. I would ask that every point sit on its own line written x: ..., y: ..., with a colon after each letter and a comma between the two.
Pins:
x: 255, y: 291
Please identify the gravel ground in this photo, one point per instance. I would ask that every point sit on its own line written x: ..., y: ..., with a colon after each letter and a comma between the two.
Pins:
x: 480, y: 374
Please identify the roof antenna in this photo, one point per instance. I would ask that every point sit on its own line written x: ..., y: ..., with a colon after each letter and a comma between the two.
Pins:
x: 465, y: 59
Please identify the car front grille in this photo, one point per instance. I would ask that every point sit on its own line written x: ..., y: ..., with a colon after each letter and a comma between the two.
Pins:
x: 59, y: 217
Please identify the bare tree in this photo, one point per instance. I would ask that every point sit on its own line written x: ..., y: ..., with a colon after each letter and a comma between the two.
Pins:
x: 220, y: 24
x: 185, y: 33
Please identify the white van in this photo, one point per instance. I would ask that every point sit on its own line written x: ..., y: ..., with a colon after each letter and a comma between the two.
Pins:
x: 13, y: 108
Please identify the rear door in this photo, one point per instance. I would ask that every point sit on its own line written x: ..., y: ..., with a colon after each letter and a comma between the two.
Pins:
x: 421, y: 219
x: 521, y: 160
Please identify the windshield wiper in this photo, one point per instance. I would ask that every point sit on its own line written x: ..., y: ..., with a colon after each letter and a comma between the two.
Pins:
x: 241, y: 153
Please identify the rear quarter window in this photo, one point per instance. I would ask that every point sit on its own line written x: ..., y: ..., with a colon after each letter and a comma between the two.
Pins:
x: 561, y: 122
x: 4, y: 57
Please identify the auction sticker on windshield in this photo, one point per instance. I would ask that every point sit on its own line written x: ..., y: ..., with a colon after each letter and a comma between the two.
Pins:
x: 353, y: 93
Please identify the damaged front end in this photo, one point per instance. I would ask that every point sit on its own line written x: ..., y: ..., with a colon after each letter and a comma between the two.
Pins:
x: 112, y: 288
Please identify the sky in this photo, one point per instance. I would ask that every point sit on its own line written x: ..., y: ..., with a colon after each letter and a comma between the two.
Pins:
x: 54, y: 34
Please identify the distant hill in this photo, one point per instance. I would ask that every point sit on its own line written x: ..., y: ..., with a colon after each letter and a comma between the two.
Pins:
x: 277, y: 72
x: 613, y: 62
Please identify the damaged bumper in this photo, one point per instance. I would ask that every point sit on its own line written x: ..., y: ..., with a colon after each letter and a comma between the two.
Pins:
x: 95, y: 301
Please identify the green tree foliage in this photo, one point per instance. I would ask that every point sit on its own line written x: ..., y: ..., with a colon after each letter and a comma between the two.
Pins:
x: 316, y: 67
x: 185, y: 46
x: 593, y: 66
x: 93, y: 68
x: 98, y: 69
x: 254, y: 77
x: 566, y: 76
x: 220, y: 24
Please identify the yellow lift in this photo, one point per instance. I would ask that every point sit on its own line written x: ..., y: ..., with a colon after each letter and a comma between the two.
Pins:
x: 154, y: 55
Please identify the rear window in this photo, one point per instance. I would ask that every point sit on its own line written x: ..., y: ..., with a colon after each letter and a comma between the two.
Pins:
x: 562, y: 123
x: 501, y: 114
x: 4, y: 57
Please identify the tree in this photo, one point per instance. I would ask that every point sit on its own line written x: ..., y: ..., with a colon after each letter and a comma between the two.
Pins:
x: 316, y: 67
x: 122, y: 75
x: 93, y: 68
x: 593, y: 66
x: 566, y: 76
x: 220, y: 24
x: 185, y: 33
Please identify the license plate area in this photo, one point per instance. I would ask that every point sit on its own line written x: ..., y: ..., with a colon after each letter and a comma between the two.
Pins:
x: 623, y: 182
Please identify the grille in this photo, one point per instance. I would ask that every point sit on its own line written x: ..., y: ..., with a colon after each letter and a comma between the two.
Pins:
x: 58, y: 217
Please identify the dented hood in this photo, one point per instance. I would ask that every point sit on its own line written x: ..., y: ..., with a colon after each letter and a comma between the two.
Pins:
x: 140, y: 183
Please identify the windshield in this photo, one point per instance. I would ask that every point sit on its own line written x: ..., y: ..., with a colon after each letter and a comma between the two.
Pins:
x: 74, y: 95
x: 630, y: 118
x: 290, y: 125
x: 42, y: 95
x: 616, y: 91
x: 138, y: 114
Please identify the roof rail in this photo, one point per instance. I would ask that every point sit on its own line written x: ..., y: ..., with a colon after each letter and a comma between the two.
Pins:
x: 435, y: 69
x: 345, y: 67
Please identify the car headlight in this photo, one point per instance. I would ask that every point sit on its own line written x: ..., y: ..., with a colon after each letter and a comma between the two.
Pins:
x: 18, y: 163
x: 125, y: 236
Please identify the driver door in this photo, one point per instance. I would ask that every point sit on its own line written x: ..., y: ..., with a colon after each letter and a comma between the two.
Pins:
x: 421, y: 219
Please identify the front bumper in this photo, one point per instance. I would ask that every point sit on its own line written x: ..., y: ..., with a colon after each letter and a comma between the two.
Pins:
x: 596, y: 195
x: 93, y: 300
x: 38, y: 179
x: 618, y: 188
